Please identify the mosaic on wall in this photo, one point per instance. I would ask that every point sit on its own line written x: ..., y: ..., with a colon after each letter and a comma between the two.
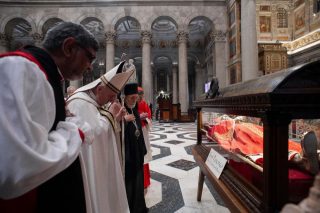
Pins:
x: 265, y: 24
x: 299, y: 19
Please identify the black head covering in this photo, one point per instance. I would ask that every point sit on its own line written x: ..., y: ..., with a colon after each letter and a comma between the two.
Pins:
x: 131, y: 88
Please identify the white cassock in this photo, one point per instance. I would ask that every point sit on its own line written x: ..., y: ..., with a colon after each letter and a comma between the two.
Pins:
x: 30, y: 154
x: 100, y: 159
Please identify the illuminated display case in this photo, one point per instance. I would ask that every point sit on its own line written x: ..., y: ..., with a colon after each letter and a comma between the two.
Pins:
x: 269, y: 110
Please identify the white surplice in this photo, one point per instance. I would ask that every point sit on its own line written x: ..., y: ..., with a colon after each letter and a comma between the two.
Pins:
x: 100, y: 159
x: 30, y: 154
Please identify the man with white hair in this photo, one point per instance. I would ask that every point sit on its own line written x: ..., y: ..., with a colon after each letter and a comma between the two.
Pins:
x: 105, y: 189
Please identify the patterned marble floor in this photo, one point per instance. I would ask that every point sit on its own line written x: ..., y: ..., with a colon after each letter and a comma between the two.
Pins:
x: 174, y: 173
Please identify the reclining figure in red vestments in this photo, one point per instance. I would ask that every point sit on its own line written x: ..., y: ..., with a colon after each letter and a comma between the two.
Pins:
x: 247, y: 139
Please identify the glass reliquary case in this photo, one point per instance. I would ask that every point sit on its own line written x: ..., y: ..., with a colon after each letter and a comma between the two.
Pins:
x: 268, y: 130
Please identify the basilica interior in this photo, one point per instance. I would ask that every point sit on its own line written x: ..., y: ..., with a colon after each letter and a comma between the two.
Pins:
x: 177, y: 48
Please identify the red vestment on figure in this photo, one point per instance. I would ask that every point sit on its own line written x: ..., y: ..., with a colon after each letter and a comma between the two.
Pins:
x: 144, y: 108
x: 247, y: 139
x: 244, y: 138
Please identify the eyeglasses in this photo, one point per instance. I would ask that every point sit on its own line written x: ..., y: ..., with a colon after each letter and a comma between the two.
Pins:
x: 89, y: 55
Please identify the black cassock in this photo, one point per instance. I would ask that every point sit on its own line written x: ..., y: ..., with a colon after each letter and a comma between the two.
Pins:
x: 135, y: 150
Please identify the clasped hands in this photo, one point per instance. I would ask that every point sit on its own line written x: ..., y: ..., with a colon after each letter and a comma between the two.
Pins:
x: 129, y: 117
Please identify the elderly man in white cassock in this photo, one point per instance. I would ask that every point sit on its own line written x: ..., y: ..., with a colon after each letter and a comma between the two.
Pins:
x: 105, y: 188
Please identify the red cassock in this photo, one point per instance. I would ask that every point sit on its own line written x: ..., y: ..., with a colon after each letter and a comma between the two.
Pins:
x: 142, y: 108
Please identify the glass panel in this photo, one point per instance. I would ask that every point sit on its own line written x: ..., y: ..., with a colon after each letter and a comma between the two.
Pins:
x: 240, y: 140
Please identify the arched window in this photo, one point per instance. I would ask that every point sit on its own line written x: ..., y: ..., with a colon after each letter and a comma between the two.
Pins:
x: 282, y: 18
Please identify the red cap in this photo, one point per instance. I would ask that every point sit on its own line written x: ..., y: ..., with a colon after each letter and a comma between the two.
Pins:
x: 140, y: 90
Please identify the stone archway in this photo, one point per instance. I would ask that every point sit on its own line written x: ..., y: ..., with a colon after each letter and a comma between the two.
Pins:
x: 127, y: 30
x: 18, y: 32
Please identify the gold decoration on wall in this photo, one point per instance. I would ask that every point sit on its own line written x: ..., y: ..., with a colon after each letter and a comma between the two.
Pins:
x: 265, y: 24
x: 299, y: 19
x: 301, y: 42
x: 272, y: 58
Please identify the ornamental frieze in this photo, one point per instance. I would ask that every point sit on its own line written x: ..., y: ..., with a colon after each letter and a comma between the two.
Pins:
x: 160, y: 44
x: 271, y: 47
x: 301, y: 42
x: 154, y: 43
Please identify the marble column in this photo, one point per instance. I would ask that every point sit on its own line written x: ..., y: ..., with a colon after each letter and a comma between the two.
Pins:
x: 219, y: 56
x: 3, y: 43
x: 249, y: 46
x: 110, y: 40
x: 146, y: 65
x: 183, y: 72
x: 174, y: 84
x: 199, y: 84
x: 37, y: 37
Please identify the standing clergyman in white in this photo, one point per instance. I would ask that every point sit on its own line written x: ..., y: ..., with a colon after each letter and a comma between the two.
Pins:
x: 105, y: 191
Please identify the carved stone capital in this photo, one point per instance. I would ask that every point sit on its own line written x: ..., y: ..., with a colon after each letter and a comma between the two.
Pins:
x: 146, y: 36
x: 37, y: 37
x: 110, y: 37
x: 182, y: 37
x: 218, y: 36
